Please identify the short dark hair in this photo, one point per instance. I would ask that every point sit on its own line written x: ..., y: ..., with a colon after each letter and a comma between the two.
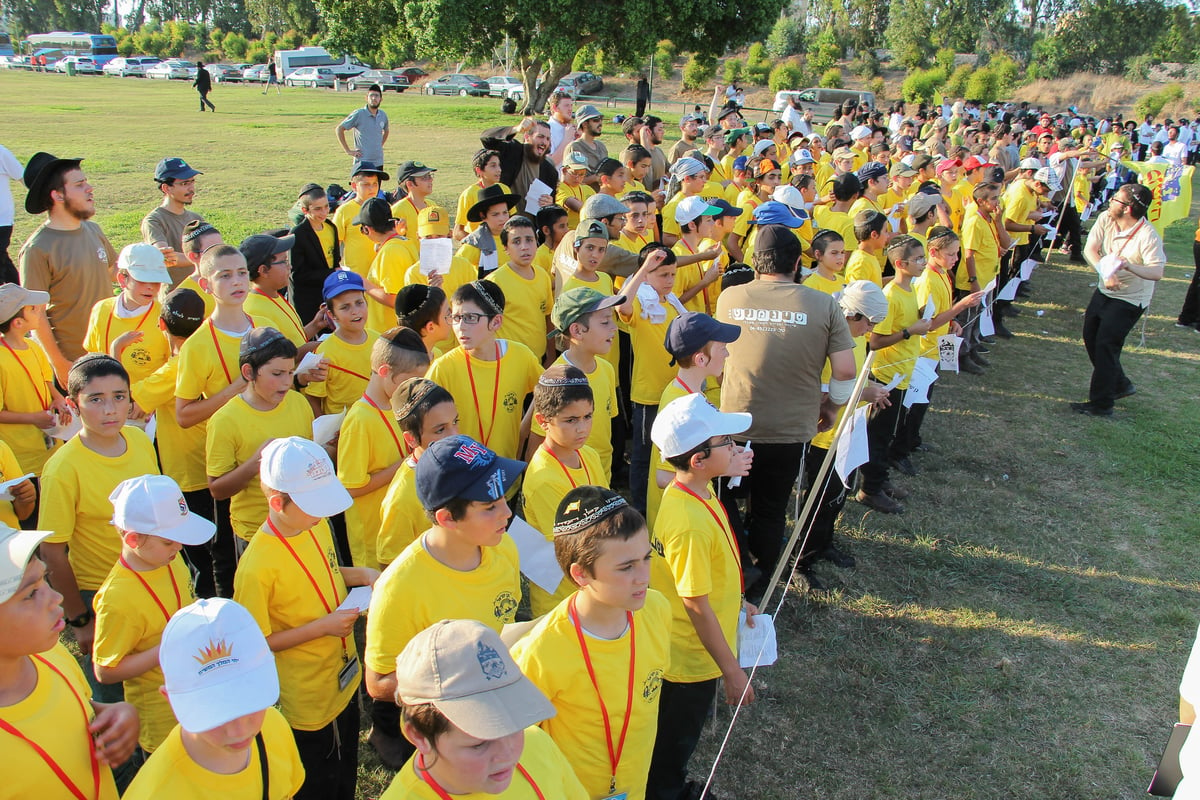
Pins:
x: 484, y: 294
x: 547, y: 216
x: 427, y: 311
x: 645, y: 252
x: 552, y: 396
x: 483, y: 157
x: 868, y: 222
x: 513, y: 224
x: 1141, y: 197
x: 825, y: 238
x: 899, y: 248
x: 634, y: 153
x: 414, y: 418
x: 630, y: 124
x: 584, y: 546
x: 90, y: 367
x: 608, y: 167
x: 281, y: 347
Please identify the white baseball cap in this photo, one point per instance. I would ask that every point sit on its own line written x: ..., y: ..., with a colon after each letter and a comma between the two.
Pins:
x: 690, y: 208
x: 763, y: 146
x: 16, y: 551
x: 802, y: 156
x: 788, y: 195
x: 301, y: 469
x: 688, y: 422
x: 216, y: 665
x: 144, y: 262
x: 860, y: 132
x: 154, y: 504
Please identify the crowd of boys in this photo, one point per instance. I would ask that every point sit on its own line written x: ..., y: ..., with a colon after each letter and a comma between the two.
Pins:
x: 176, y: 508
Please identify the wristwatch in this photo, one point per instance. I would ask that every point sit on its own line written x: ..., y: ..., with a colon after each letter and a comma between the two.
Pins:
x: 82, y: 620
x: 905, y: 333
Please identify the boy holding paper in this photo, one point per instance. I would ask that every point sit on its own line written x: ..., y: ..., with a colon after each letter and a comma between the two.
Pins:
x: 528, y: 291
x: 442, y: 269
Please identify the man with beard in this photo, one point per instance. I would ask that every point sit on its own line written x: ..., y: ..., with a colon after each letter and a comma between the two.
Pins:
x: 164, y: 225
x: 689, y: 131
x: 521, y: 164
x: 67, y: 256
x: 370, y: 126
x: 591, y: 125
x: 652, y: 138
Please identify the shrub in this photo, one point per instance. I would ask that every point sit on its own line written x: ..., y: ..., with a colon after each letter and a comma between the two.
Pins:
x: 1152, y: 104
x: 824, y: 53
x: 957, y: 84
x: 944, y: 60
x: 786, y: 38
x: 787, y: 75
x: 1138, y: 67
x: 699, y: 71
x: 920, y: 85
x: 877, y: 87
x: 758, y: 74
x: 983, y: 86
x: 1047, y: 61
x: 757, y: 54
x: 664, y: 59
x: 258, y: 54
x: 1007, y: 71
x: 866, y: 64
x: 235, y: 46
x: 733, y: 70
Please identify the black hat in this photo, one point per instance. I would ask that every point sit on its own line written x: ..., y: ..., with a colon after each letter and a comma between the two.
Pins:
x: 367, y: 168
x: 261, y: 248
x: 412, y: 169
x: 37, y: 175
x: 489, y: 196
x: 375, y: 213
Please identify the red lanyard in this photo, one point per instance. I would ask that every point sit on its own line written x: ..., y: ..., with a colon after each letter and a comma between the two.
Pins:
x: 566, y: 471
x: 733, y: 548
x: 442, y: 793
x: 293, y: 317
x: 483, y: 438
x: 324, y: 560
x: 684, y: 386
x: 945, y: 279
x: 153, y: 594
x: 350, y: 372
x: 212, y: 329
x: 113, y: 313
x: 36, y: 389
x: 386, y: 423
x: 614, y: 754
x: 49, y: 759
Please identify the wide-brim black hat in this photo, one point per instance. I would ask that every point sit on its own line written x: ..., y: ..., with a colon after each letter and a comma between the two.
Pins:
x: 37, y: 176
x: 489, y: 196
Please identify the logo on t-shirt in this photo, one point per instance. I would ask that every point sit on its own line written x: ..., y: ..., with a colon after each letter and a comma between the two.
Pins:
x: 510, y: 402
x: 768, y: 315
x: 505, y: 607
x: 102, y: 254
x: 651, y: 685
x: 657, y: 546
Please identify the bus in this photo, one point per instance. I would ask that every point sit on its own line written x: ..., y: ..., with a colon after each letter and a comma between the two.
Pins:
x: 288, y: 61
x: 6, y: 48
x: 98, y: 47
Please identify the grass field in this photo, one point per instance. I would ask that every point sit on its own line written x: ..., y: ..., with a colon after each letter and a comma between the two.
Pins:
x: 1019, y: 632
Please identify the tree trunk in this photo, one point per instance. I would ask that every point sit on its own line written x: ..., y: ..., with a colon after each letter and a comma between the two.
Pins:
x: 538, y: 95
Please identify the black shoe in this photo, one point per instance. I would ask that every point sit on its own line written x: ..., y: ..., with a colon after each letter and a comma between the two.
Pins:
x: 904, y: 465
x: 1012, y: 311
x: 965, y: 364
x: 805, y: 580
x: 1001, y: 330
x: 837, y: 558
x: 925, y: 447
x: 880, y: 502
x: 1024, y: 291
x: 693, y: 789
x: 1186, y: 325
x: 1128, y: 391
x: 978, y: 359
x: 981, y: 348
x: 893, y: 491
x: 1091, y: 410
x: 988, y: 340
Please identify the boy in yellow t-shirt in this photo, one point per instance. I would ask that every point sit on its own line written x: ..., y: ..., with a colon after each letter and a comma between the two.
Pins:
x: 488, y: 377
x: 603, y: 547
x: 486, y: 164
x: 266, y: 409
x: 357, y: 250
x: 425, y: 310
x: 562, y: 406
x: 24, y: 493
x: 699, y: 568
x: 432, y: 223
x: 347, y: 351
x: 44, y: 690
x: 142, y: 273
x: 830, y: 253
x: 267, y: 260
x: 528, y: 291
x: 866, y: 262
x: 553, y: 224
x: 572, y: 192
x: 76, y: 484
x: 370, y: 447
x: 393, y: 256
x: 464, y: 567
x: 29, y: 403
x: 696, y: 218
x: 290, y: 582
x: 221, y: 681
x: 481, y: 248
x: 613, y: 177
x: 144, y: 588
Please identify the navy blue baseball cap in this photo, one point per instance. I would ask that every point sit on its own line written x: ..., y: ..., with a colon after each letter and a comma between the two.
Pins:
x: 871, y: 170
x: 460, y: 467
x: 691, y: 330
x: 339, y: 281
x: 174, y: 169
x: 727, y: 208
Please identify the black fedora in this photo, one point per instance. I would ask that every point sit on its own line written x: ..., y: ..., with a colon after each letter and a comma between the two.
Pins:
x: 37, y: 175
x: 489, y: 196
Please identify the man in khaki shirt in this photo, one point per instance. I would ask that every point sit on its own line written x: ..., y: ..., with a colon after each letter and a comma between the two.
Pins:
x: 1124, y: 246
x: 164, y: 225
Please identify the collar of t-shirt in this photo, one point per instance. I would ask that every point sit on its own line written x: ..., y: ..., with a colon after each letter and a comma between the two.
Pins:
x: 121, y: 312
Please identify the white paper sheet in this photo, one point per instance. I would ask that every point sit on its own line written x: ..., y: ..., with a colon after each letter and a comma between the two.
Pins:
x: 6, y: 487
x: 537, y: 555
x: 1027, y: 268
x: 948, y: 347
x: 326, y: 427
x: 311, y: 359
x: 895, y: 223
x: 436, y: 255
x: 536, y: 190
x: 987, y: 292
x: 1087, y: 213
x: 152, y: 427
x: 986, y: 326
x: 1049, y: 237
x: 852, y: 449
x: 894, y: 382
x: 924, y: 374
x: 359, y: 598
x: 1009, y: 292
x: 757, y: 646
x: 1108, y: 266
x: 65, y: 432
x: 930, y: 308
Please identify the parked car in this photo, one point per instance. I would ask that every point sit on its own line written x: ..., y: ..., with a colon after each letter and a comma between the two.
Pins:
x: 131, y: 66
x: 223, y: 73
x: 459, y: 84
x: 84, y: 65
x: 577, y: 83
x: 15, y: 62
x: 414, y: 74
x: 234, y: 73
x: 506, y: 86
x: 824, y: 103
x: 258, y: 73
x: 386, y: 78
x: 311, y: 76
x: 173, y: 69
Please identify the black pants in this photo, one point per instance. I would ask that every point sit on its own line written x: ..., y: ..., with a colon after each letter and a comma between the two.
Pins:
x: 768, y: 490
x: 1190, y: 313
x: 682, y: 710
x: 8, y: 270
x: 908, y: 430
x: 1106, y: 323
x: 330, y: 757
x: 1070, y: 229
x: 224, y: 551
x: 204, y: 101
x: 200, y: 556
x: 881, y: 433
x: 639, y: 454
x: 831, y: 498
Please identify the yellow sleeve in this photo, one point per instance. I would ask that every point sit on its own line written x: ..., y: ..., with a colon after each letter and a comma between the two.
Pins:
x: 119, y: 627
x: 688, y: 556
x: 59, y: 497
x: 252, y: 583
x: 221, y: 441
x: 354, y: 448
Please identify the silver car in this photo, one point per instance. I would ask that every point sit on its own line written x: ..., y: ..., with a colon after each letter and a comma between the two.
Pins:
x: 130, y: 66
x: 173, y: 69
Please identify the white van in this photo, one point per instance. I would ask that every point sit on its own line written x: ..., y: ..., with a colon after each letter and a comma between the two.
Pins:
x: 824, y: 103
x: 288, y: 61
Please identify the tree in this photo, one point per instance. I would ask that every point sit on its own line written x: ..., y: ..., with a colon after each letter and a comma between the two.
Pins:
x: 1096, y: 37
x: 546, y: 34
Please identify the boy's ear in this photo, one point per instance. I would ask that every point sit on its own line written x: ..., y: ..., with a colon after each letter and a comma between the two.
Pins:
x: 579, y: 575
x: 247, y: 372
x: 495, y: 322
x: 410, y: 441
x: 444, y: 519
x: 129, y: 538
x: 275, y: 502
x: 540, y: 419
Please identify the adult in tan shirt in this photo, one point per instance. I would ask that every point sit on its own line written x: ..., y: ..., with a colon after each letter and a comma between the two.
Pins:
x: 163, y: 227
x: 68, y: 256
x: 1123, y: 233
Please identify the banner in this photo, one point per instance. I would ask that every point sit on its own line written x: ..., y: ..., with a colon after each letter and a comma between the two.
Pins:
x: 1172, y: 188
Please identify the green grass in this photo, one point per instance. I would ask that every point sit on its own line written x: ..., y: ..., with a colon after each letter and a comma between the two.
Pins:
x: 1020, y: 631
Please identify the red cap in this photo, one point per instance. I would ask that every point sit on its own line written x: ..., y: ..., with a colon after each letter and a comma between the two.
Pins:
x: 974, y: 162
x: 948, y: 163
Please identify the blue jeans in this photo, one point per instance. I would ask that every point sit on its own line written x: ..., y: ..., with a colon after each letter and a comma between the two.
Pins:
x: 639, y: 455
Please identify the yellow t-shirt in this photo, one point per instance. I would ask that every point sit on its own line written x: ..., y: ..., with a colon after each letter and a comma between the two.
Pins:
x: 9, y: 469
x: 578, y: 728
x: 370, y: 441
x: 140, y: 358
x: 278, y: 313
x: 936, y: 285
x: 864, y: 266
x: 565, y: 192
x: 401, y: 516
x: 461, y: 272
x: 541, y: 758
x: 467, y: 199
x: 691, y: 274
x: 828, y: 219
x: 25, y: 380
x: 544, y: 258
x: 747, y: 201
x: 357, y: 250
x: 604, y: 285
x: 181, y: 450
x: 527, y: 303
x: 387, y: 272
x: 406, y: 211
x: 210, y: 302
x: 652, y: 369
x: 74, y: 501
x: 668, y: 214
x: 823, y: 439
x: 697, y: 557
x: 205, y: 369
x: 235, y: 433
x: 328, y: 239
x: 547, y: 482
x: 979, y: 237
x: 348, y: 372
x: 417, y: 590
x: 900, y: 358
x: 823, y: 284
x: 490, y: 395
x: 172, y: 772
x: 603, y: 380
x: 1019, y: 204
x: 277, y: 590
x: 51, y: 717
x: 955, y: 203
x: 129, y: 620
x: 675, y: 389
x: 863, y: 203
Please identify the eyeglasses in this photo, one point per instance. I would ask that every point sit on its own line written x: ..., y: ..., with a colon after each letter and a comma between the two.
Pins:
x: 470, y: 318
x: 724, y: 441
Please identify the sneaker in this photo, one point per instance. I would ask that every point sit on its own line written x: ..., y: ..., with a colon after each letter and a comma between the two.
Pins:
x: 893, y: 491
x: 978, y: 359
x: 837, y: 558
x: 981, y: 348
x: 904, y: 465
x: 1186, y: 325
x: 987, y: 340
x: 1091, y: 410
x: 925, y: 447
x: 1012, y: 311
x: 880, y: 502
x: 1128, y: 391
